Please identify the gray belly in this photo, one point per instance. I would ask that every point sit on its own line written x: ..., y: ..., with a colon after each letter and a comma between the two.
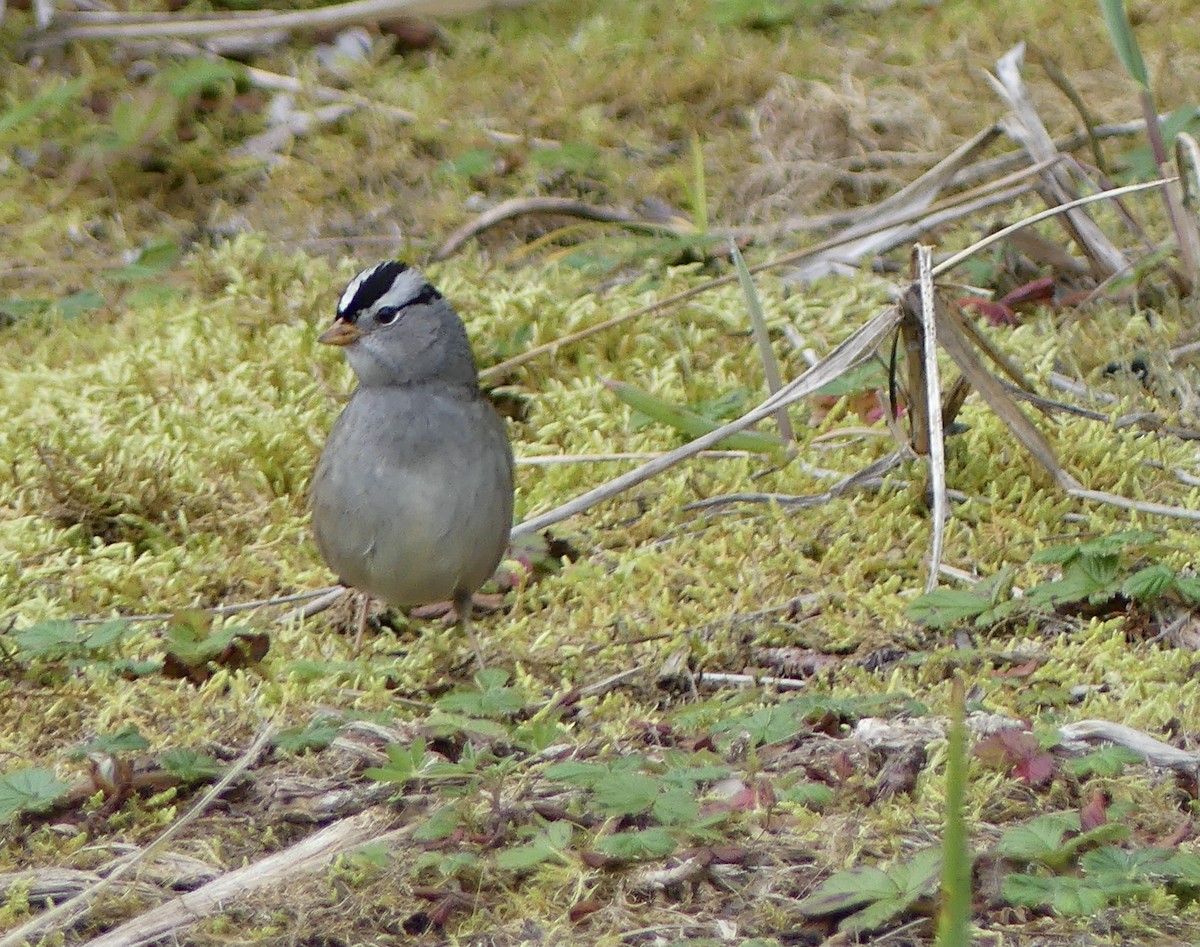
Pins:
x: 412, y: 498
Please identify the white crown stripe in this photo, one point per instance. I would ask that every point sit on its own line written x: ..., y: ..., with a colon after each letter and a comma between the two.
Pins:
x: 348, y: 295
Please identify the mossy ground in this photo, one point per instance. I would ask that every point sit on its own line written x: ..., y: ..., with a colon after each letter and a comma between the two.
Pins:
x: 158, y: 445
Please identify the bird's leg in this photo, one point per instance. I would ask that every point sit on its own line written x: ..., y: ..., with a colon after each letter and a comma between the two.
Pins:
x: 363, y: 609
x: 462, y: 604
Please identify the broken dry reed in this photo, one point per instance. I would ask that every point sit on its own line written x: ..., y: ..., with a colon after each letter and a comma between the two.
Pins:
x: 933, y: 407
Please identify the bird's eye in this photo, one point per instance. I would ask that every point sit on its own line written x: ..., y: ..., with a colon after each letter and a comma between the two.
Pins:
x: 386, y: 316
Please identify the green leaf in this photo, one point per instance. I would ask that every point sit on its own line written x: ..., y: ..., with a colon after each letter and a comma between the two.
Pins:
x: 1039, y: 839
x: 107, y: 634
x: 675, y: 806
x: 446, y: 724
x: 1068, y: 895
x: 869, y: 376
x: 1108, y: 761
x: 942, y: 608
x: 765, y: 725
x: 908, y: 881
x: 55, y: 636
x: 1148, y: 583
x: 1124, y: 41
x: 29, y: 790
x: 127, y: 739
x: 78, y: 303
x: 189, y: 765
x: 627, y: 794
x: 814, y: 796
x: 315, y: 735
x: 547, y: 846
x: 442, y: 824
x: 577, y: 773
x: 631, y: 846
x: 847, y: 890
x: 404, y: 762
x: 1115, y: 543
x: 152, y: 260
x: 525, y: 856
x: 495, y: 702
x: 1188, y: 586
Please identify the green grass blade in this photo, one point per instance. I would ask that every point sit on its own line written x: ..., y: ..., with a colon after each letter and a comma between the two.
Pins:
x: 1124, y: 42
x: 689, y: 422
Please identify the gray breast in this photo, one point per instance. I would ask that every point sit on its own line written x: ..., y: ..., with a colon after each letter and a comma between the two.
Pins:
x: 412, y: 498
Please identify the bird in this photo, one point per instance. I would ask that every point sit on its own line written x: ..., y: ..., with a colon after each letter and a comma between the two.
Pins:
x: 412, y: 497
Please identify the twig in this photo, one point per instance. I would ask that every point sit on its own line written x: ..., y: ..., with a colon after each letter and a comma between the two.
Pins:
x: 324, y: 598
x: 952, y: 261
x: 525, y: 206
x: 322, y: 18
x: 548, y: 460
x: 1154, y: 751
x: 231, y: 609
x: 1139, y: 506
x: 869, y: 476
x: 722, y: 679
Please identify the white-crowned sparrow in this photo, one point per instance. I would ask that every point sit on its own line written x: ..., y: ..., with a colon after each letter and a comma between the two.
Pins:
x: 412, y: 497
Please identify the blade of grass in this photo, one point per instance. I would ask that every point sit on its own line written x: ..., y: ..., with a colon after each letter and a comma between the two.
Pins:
x: 689, y: 422
x: 954, y: 919
x: 1124, y: 42
x: 761, y: 336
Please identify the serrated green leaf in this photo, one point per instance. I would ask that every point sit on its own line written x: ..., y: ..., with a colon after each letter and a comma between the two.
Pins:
x: 152, y: 260
x: 942, y: 608
x: 847, y: 890
x: 1107, y: 761
x: 1148, y: 583
x: 577, y: 773
x: 312, y: 736
x: 29, y: 790
x: 107, y: 634
x: 444, y: 724
x: 128, y: 739
x: 190, y: 765
x: 54, y: 636
x: 526, y: 856
x: 1038, y: 839
x: 626, y: 794
x: 442, y: 824
x: 631, y: 846
x: 675, y: 806
x: 810, y: 795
